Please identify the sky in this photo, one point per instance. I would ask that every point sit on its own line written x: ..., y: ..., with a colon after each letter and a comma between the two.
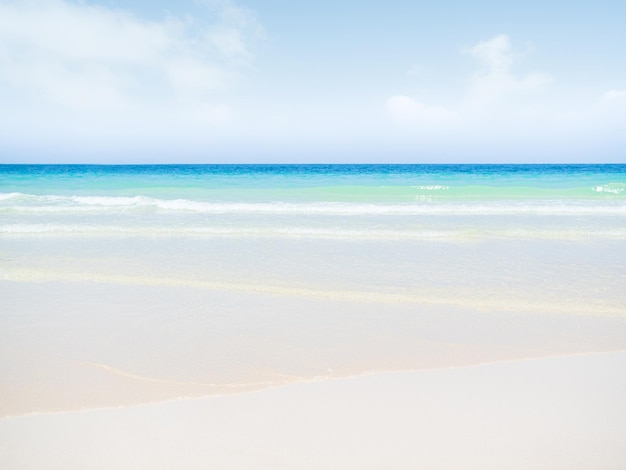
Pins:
x: 219, y: 81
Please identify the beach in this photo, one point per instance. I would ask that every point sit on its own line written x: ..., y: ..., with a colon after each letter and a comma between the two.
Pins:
x: 544, y: 414
x: 312, y: 316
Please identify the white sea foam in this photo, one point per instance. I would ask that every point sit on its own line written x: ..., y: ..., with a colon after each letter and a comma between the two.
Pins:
x: 24, y: 203
x: 432, y: 188
x: 306, y: 232
x: 280, y: 232
x: 9, y: 196
x: 613, y: 188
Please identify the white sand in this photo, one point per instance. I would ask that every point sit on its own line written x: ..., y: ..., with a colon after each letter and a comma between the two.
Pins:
x: 556, y: 413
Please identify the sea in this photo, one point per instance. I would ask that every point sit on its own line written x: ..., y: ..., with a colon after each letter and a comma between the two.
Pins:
x: 129, y: 284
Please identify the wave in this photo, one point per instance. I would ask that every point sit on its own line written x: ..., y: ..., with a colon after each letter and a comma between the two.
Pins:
x: 29, y: 203
x: 612, y: 188
x: 307, y: 232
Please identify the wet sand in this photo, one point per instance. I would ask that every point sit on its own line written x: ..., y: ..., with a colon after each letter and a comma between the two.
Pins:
x: 563, y: 412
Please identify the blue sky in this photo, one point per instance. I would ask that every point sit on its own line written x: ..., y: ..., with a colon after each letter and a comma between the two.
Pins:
x: 278, y: 81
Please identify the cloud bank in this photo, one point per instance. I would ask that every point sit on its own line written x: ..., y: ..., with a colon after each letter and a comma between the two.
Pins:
x: 500, y: 103
x: 82, y: 82
x: 64, y: 63
x: 493, y: 90
x: 496, y: 79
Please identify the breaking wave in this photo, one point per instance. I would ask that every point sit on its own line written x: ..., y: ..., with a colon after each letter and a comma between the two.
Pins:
x: 17, y: 203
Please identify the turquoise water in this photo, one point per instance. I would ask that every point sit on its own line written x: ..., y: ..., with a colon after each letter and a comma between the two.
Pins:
x: 336, y: 183
x: 372, y: 201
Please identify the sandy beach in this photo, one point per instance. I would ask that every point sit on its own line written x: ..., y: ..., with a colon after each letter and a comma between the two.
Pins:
x: 552, y: 413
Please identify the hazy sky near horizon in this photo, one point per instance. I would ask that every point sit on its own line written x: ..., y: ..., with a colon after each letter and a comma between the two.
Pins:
x: 112, y: 81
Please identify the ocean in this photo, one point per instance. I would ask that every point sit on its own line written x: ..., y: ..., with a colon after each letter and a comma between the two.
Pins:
x: 130, y: 284
x: 315, y: 201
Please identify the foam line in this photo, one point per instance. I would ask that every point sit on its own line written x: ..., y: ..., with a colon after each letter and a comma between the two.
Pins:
x: 465, y: 301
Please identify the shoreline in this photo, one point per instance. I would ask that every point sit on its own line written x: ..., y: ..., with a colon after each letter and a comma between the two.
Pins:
x: 563, y: 412
x: 127, y: 345
x: 315, y: 380
x: 489, y: 304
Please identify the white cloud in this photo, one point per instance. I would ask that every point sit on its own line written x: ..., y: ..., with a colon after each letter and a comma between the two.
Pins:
x: 496, y: 53
x: 492, y: 96
x: 496, y: 80
x: 237, y: 30
x: 405, y: 109
x: 82, y: 57
x: 614, y: 97
x: 229, y: 41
